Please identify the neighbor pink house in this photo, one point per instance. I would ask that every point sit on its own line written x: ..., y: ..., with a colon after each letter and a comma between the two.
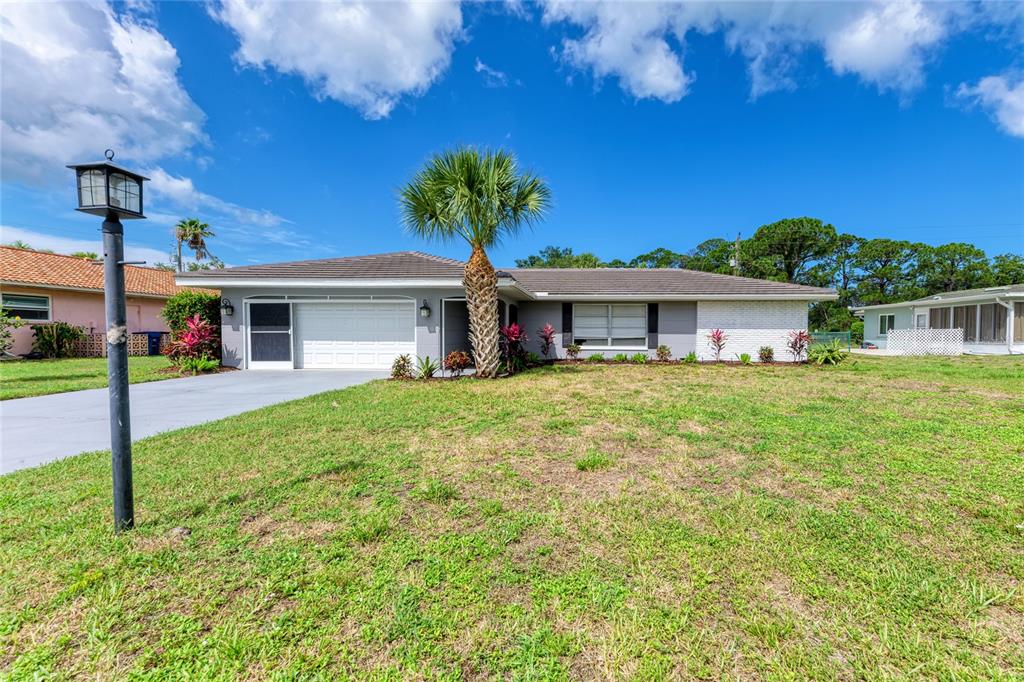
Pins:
x: 45, y: 287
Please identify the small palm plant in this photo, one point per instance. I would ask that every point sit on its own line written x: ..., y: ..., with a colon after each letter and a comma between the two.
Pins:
x: 480, y: 197
x: 194, y: 233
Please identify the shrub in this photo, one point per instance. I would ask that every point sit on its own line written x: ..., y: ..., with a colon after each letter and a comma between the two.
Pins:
x: 664, y: 353
x: 8, y: 323
x: 572, y: 351
x: 546, y: 334
x: 426, y: 367
x: 717, y: 339
x: 533, y: 360
x: 766, y: 354
x: 639, y: 358
x: 185, y: 305
x: 831, y: 353
x: 620, y: 357
x: 198, y: 339
x: 401, y: 368
x: 55, y: 339
x: 455, y: 363
x: 744, y: 358
x: 512, y: 339
x: 691, y: 358
x: 797, y: 341
x: 596, y: 357
x: 199, y: 365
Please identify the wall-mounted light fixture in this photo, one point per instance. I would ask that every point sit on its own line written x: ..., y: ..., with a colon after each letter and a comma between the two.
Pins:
x: 424, y: 309
x: 226, y: 309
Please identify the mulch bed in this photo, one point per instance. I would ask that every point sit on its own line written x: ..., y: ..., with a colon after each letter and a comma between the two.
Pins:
x: 177, y: 372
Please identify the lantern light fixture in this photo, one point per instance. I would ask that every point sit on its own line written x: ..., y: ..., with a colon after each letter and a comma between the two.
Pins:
x: 226, y: 309
x: 424, y: 309
x: 105, y: 188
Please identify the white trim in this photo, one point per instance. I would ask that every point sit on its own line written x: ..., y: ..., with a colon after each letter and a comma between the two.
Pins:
x: 941, y: 302
x: 49, y: 307
x: 645, y: 298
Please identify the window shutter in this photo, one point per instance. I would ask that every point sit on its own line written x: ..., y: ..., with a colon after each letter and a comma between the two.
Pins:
x: 652, y: 325
x: 513, y: 313
x: 566, y: 324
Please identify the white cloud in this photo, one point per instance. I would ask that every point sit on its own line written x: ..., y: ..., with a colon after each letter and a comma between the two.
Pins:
x: 78, y: 78
x: 67, y: 245
x: 366, y: 55
x: 883, y: 42
x: 492, y: 77
x: 1002, y: 97
x: 181, y: 192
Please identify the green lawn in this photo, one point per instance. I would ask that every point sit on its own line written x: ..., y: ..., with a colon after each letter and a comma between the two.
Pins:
x: 578, y: 522
x: 24, y: 378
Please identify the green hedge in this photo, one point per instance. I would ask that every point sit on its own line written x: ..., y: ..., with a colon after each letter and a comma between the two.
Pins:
x: 185, y: 304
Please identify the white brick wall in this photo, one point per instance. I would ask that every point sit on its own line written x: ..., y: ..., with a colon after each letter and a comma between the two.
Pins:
x: 748, y: 326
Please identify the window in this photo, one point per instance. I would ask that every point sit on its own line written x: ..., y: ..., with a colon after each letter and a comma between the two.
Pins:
x: 885, y: 323
x: 966, y: 317
x: 921, y: 321
x: 940, y: 318
x: 993, y: 323
x: 610, y: 325
x: 27, y: 307
x: 1018, y: 322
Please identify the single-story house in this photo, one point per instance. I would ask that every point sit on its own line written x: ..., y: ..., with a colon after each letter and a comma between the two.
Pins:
x: 992, y: 319
x: 363, y: 311
x: 46, y: 287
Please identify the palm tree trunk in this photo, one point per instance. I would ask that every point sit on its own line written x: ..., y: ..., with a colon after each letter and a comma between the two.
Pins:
x: 179, y: 254
x: 481, y: 284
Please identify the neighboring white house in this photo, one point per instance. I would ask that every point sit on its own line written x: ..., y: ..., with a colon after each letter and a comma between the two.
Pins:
x: 363, y: 311
x: 992, y: 319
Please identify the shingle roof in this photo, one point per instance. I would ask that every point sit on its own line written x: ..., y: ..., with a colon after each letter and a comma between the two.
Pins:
x: 23, y: 266
x: 554, y: 282
x: 398, y: 264
x: 652, y: 281
x: 964, y: 293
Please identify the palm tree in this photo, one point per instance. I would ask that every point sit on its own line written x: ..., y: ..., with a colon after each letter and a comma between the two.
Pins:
x: 480, y: 197
x: 194, y: 233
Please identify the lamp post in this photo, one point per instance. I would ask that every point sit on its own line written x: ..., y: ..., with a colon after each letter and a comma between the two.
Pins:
x: 114, y: 193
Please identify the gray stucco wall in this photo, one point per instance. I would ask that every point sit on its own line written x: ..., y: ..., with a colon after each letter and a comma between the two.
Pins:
x: 428, y: 330
x: 677, y: 327
x: 871, y: 335
x: 535, y: 314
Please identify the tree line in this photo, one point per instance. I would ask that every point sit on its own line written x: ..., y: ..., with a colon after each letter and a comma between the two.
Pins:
x: 809, y: 251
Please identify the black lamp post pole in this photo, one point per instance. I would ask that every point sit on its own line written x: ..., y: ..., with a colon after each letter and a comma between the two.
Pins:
x: 117, y: 371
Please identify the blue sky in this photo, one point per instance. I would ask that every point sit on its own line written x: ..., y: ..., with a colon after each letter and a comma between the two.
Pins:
x: 290, y: 127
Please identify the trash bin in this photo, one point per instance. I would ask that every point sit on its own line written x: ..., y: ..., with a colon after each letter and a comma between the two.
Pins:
x: 154, y: 342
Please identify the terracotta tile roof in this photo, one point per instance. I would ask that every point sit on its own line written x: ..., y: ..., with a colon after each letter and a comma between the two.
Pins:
x: 22, y: 266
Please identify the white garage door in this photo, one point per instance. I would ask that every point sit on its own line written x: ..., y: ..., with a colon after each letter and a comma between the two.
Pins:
x: 353, y: 335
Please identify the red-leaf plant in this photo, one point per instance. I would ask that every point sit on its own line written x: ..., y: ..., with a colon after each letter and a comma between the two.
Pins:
x: 198, y: 339
x: 717, y: 339
x: 456, y: 362
x: 547, y: 339
x: 512, y: 339
x: 797, y: 342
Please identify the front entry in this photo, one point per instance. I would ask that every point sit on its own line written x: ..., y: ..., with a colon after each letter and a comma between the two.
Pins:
x: 455, y: 327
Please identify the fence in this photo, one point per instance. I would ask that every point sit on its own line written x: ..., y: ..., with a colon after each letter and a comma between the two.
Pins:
x: 828, y: 337
x: 95, y: 345
x: 925, y: 342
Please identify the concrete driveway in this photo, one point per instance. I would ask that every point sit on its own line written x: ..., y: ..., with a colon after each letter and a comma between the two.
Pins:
x: 34, y: 431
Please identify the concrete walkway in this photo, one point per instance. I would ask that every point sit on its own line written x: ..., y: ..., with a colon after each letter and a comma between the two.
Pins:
x: 34, y: 431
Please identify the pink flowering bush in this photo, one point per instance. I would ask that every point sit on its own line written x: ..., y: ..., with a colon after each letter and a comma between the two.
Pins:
x: 717, y: 339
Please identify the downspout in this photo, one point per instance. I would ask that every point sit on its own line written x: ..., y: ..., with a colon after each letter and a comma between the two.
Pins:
x: 1009, y: 324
